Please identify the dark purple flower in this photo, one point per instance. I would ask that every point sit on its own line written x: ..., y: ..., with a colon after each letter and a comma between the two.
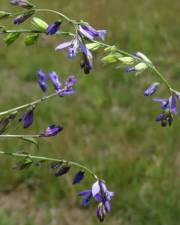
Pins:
x: 55, y: 81
x: 52, y: 131
x: 91, y: 33
x: 78, y: 177
x: 55, y: 165
x: 63, y: 170
x: 151, y: 89
x: 23, y: 17
x: 54, y: 27
x: 22, y: 3
x: 27, y: 118
x: 42, y: 81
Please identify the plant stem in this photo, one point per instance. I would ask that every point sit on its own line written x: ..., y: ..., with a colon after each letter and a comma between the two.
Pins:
x: 43, y: 158
x: 58, y: 13
x: 19, y: 136
x: 45, y: 98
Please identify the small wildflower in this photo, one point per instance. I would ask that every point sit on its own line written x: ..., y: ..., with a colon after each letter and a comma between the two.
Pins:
x: 101, y: 194
x: 23, y: 17
x: 53, y: 28
x: 27, y: 118
x: 78, y: 177
x: 52, y: 131
x: 42, y: 81
x: 22, y: 3
x: 151, y: 89
x: 63, y: 170
x: 91, y: 33
x: 55, y: 81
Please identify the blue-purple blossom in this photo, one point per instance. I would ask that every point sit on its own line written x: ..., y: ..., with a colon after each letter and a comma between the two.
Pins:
x: 53, y: 28
x: 151, y: 89
x: 69, y: 84
x: 172, y: 104
x: 169, y: 108
x: 78, y: 177
x: 55, y: 81
x: 74, y: 47
x: 91, y: 33
x: 101, y: 194
x: 27, y: 118
x: 87, y: 195
x: 22, y: 3
x: 52, y: 131
x: 42, y: 80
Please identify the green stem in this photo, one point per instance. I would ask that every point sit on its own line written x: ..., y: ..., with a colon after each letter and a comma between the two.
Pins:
x: 45, y: 98
x: 43, y: 158
x: 58, y: 13
x: 19, y: 136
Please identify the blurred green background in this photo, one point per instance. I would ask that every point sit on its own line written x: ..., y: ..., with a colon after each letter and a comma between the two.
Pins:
x: 109, y: 125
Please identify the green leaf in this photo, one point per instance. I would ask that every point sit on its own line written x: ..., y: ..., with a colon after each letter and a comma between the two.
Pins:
x: 31, y: 39
x: 24, y: 163
x: 11, y: 38
x: 31, y: 140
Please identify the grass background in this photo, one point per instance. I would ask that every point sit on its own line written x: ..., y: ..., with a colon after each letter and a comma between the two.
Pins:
x: 109, y: 125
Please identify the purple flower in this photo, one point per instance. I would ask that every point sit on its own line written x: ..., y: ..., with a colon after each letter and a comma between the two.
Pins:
x: 151, y: 89
x: 70, y: 82
x: 22, y: 3
x: 91, y: 33
x: 27, y: 118
x: 164, y: 102
x: 78, y: 177
x: 73, y: 47
x: 63, y: 170
x: 23, y: 17
x: 102, y: 195
x: 172, y: 105
x: 42, y: 81
x: 87, y: 195
x: 52, y: 131
x: 53, y: 28
x: 55, y: 81
x: 169, y: 108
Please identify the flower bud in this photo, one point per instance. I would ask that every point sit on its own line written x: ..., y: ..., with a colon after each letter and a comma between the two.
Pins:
x: 126, y: 60
x: 4, y: 14
x: 22, y: 3
x: 143, y: 57
x: 23, y: 17
x: 40, y: 24
x: 151, y: 89
x: 31, y: 39
x: 11, y: 38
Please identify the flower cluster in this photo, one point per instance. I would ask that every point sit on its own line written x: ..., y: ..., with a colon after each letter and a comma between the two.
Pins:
x: 66, y: 88
x: 102, y: 195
